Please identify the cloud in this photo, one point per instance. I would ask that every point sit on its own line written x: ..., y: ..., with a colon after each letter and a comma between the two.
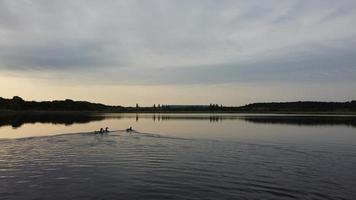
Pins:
x: 180, y: 42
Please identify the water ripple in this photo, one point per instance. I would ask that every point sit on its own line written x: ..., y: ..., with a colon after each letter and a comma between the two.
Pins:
x: 87, y: 166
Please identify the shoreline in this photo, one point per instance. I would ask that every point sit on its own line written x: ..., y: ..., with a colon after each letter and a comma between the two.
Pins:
x: 69, y: 112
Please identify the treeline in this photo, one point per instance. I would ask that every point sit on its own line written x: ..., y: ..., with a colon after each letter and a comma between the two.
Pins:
x: 17, y: 103
x: 180, y: 108
x: 300, y: 106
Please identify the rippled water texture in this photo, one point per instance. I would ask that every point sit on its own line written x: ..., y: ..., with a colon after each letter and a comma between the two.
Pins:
x: 172, y: 162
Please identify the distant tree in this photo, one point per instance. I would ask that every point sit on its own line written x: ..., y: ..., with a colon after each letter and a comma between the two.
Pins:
x: 18, y: 99
x: 154, y: 105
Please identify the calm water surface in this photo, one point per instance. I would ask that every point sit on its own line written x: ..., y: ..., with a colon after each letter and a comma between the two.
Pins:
x: 178, y: 156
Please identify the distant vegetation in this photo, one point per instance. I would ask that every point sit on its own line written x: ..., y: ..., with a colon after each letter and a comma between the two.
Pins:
x: 300, y: 106
x: 18, y: 104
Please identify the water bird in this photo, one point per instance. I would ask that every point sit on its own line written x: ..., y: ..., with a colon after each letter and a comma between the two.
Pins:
x: 102, y: 130
x: 129, y: 129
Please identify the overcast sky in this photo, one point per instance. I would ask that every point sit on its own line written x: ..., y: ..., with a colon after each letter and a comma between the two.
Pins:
x: 183, y: 51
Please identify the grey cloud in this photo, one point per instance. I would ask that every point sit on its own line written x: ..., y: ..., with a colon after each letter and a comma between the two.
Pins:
x: 181, y: 42
x: 59, y: 57
x: 333, y: 66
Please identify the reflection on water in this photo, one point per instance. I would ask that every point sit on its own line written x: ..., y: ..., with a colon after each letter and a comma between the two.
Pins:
x: 304, y: 120
x: 17, y: 120
x: 177, y: 156
x: 145, y: 166
x: 274, y: 128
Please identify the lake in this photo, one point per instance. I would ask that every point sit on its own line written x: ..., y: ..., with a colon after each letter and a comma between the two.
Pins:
x: 177, y: 156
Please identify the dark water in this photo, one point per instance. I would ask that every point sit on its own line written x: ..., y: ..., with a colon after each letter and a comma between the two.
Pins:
x: 181, y: 157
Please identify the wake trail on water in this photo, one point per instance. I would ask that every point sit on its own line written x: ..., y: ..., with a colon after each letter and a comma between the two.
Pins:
x: 93, y: 133
x: 155, y: 135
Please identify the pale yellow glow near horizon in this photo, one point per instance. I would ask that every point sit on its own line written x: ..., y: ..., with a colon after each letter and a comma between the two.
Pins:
x: 129, y: 95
